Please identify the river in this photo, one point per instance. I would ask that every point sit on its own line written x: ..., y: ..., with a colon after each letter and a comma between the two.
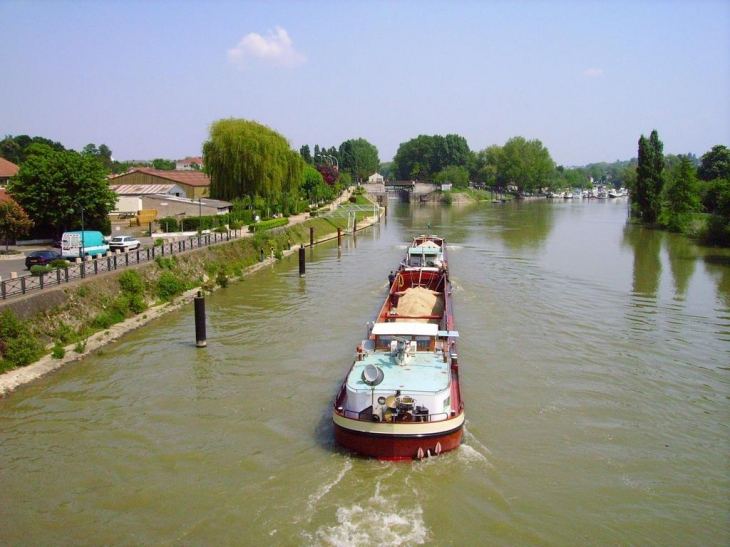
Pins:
x: 595, y: 360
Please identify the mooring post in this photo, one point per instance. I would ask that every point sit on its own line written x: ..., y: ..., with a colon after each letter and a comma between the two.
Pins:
x: 339, y: 237
x: 301, y: 261
x: 311, y: 236
x: 200, y: 338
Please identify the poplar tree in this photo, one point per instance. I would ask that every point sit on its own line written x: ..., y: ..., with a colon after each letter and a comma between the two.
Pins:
x: 244, y: 158
x: 647, y: 192
x: 681, y: 195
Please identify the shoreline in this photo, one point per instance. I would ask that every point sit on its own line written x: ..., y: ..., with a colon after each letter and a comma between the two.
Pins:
x: 15, y: 378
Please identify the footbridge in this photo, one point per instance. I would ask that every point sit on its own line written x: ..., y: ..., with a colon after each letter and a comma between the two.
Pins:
x: 408, y: 190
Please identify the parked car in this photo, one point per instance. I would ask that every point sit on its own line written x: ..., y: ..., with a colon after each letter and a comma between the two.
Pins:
x: 41, y: 258
x: 124, y: 243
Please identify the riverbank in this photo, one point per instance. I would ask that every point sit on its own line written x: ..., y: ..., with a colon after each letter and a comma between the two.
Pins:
x: 14, y: 378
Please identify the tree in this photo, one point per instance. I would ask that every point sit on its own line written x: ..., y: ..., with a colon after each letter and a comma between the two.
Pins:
x: 577, y: 177
x: 413, y: 158
x: 427, y: 155
x: 451, y: 150
x: 454, y: 174
x: 328, y: 172
x: 53, y: 187
x: 715, y: 164
x: 359, y: 158
x: 244, y: 157
x: 681, y: 195
x: 649, y: 179
x: 306, y: 154
x: 163, y: 164
x: 311, y: 179
x: 14, y: 148
x: 14, y: 222
x: 526, y: 164
x: 103, y: 153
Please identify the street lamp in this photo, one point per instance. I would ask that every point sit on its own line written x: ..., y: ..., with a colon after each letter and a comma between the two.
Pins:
x: 81, y: 256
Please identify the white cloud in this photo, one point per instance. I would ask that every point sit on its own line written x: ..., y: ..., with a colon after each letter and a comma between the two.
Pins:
x: 275, y: 48
x: 593, y: 73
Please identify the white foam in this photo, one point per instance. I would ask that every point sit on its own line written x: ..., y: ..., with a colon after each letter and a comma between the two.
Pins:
x: 374, y: 525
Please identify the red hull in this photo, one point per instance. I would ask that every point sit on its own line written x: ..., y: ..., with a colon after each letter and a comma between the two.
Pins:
x: 397, y: 447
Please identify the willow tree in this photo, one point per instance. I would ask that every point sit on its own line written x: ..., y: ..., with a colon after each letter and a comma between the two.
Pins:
x: 244, y: 158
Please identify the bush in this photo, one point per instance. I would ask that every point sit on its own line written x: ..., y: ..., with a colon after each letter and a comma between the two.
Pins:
x: 131, y: 282
x: 222, y: 279
x: 58, y: 351
x: 23, y: 351
x: 268, y: 224
x: 63, y: 333
x: 169, y: 224
x: 137, y: 303
x: 40, y: 270
x: 10, y: 327
x: 59, y: 263
x: 80, y: 346
x: 166, y: 263
x: 169, y: 286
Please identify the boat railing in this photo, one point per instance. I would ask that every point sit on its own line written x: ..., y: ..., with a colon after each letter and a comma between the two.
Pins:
x: 367, y: 416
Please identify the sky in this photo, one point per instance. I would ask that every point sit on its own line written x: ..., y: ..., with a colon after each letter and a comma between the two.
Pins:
x: 585, y: 78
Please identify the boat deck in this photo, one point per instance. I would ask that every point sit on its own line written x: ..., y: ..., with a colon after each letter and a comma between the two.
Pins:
x: 426, y: 372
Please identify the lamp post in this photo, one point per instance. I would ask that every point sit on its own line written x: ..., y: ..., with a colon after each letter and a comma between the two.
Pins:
x: 200, y: 214
x: 81, y: 256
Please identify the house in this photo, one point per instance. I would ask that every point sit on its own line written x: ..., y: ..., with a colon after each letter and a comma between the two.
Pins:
x: 7, y: 169
x: 375, y: 178
x: 195, y: 184
x: 189, y: 164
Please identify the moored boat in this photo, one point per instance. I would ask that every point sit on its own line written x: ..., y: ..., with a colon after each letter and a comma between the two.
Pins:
x: 401, y: 398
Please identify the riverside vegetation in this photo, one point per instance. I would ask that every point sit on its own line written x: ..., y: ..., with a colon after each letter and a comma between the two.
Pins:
x: 97, y: 304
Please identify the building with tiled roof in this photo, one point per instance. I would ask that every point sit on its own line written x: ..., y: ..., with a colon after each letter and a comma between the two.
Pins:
x: 196, y: 184
x: 187, y: 164
x: 7, y: 169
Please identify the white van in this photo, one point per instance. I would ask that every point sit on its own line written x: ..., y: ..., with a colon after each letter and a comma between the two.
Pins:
x: 80, y: 244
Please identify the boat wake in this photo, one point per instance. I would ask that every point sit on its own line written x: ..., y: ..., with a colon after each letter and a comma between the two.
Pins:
x: 325, y: 488
x: 471, y: 450
x: 377, y: 522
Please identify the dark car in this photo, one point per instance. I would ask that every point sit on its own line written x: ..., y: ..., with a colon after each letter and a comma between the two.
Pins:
x: 41, y: 257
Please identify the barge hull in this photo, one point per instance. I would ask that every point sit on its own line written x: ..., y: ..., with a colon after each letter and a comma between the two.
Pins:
x: 398, y: 447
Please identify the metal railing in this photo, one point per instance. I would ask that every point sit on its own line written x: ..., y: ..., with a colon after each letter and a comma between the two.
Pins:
x: 20, y: 286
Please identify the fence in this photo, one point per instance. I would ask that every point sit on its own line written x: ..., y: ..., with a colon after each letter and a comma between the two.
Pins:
x: 28, y: 283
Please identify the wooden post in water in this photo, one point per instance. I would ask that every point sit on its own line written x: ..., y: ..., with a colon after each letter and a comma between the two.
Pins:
x: 200, y: 337
x: 311, y: 236
x: 301, y: 261
x: 339, y: 237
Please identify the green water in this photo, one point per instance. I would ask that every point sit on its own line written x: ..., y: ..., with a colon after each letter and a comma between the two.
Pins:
x: 595, y: 360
